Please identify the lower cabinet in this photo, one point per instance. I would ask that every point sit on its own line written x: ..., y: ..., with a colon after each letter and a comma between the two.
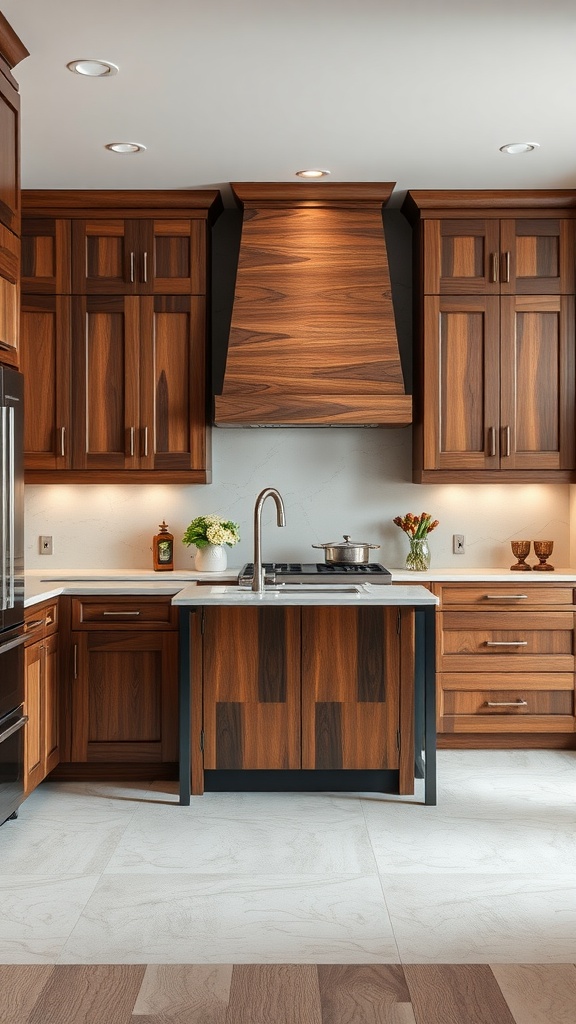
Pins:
x: 123, y: 687
x: 505, y: 664
x: 306, y: 688
x: 41, y: 689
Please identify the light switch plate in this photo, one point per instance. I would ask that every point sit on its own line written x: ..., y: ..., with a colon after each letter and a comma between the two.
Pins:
x: 458, y: 543
x: 46, y: 546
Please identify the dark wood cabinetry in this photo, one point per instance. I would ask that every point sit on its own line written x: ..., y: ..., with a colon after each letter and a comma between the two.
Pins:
x: 121, y: 691
x: 122, y: 351
x: 306, y: 688
x: 12, y: 51
x: 42, y: 694
x: 505, y: 664
x: 495, y: 369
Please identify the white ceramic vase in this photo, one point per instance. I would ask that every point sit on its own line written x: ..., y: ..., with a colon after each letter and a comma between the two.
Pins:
x: 212, y: 558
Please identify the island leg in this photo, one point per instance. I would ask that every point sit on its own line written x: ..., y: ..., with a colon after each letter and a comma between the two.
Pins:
x: 425, y: 701
x: 184, y: 758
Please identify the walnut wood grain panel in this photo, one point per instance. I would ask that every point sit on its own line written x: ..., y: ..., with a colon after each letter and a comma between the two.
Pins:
x: 461, y: 379
x: 104, y: 254
x: 45, y: 357
x: 51, y: 705
x: 116, y: 612
x: 173, y: 383
x: 33, y: 766
x: 503, y: 595
x: 41, y: 620
x: 124, y: 697
x: 529, y: 681
x: 538, y: 394
x: 442, y: 993
x: 460, y: 257
x: 541, y: 259
x: 490, y: 202
x: 105, y: 367
x: 519, y: 701
x: 46, y: 259
x: 9, y: 156
x: 512, y: 725
x: 161, y: 203
x: 312, y: 289
x: 176, y: 256
x: 9, y: 295
x: 12, y: 48
x: 335, y: 711
x: 350, y: 409
x: 407, y: 698
x: 249, y: 659
x: 532, y: 641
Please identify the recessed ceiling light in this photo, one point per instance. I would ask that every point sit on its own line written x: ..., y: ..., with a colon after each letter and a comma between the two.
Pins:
x: 312, y: 173
x: 125, y: 147
x: 519, y: 147
x: 92, y: 68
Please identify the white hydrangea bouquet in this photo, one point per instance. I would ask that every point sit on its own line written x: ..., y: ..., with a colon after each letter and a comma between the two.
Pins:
x: 212, y: 529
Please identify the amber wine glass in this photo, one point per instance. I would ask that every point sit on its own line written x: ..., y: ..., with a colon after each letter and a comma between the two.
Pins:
x: 543, y: 550
x: 520, y: 550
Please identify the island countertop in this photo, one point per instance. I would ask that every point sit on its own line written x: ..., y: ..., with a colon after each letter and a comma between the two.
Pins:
x: 313, y: 594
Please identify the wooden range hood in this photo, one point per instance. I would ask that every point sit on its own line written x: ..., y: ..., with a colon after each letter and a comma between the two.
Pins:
x: 313, y: 337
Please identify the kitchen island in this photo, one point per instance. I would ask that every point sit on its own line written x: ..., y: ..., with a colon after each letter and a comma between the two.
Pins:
x: 352, y: 667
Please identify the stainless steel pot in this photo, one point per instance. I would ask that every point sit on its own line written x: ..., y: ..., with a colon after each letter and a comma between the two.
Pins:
x: 351, y: 552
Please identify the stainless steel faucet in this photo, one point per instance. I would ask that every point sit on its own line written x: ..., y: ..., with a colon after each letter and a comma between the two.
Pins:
x: 268, y: 492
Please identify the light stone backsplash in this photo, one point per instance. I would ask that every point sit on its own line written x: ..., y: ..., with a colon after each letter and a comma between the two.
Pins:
x: 334, y: 481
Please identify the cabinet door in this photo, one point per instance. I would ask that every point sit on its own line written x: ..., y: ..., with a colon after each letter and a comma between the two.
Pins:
x: 461, y: 380
x: 33, y: 751
x: 173, y: 388
x: 125, y: 697
x: 105, y: 361
x: 537, y: 356
x: 45, y: 256
x: 9, y: 295
x: 461, y: 257
x: 537, y: 256
x: 45, y: 363
x: 173, y: 257
x: 350, y: 688
x: 106, y: 257
x: 50, y: 706
x: 252, y: 688
x: 9, y: 156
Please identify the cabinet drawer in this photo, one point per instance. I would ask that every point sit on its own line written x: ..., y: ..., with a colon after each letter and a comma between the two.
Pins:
x: 41, y: 620
x: 513, y: 595
x: 508, y: 702
x: 123, y: 613
x: 506, y: 642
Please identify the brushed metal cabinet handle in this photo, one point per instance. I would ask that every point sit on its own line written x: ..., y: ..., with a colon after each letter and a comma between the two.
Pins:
x: 132, y: 430
x: 145, y: 441
x: 35, y: 624
x: 131, y: 268
x: 120, y: 612
x: 506, y: 643
x: 506, y: 597
x: 75, y: 670
x: 506, y: 268
x: 494, y: 267
x: 63, y: 442
x: 506, y: 445
x: 491, y: 441
x: 507, y: 703
x: 145, y: 268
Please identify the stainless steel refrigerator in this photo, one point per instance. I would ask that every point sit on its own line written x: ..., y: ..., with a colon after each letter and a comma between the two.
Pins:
x: 12, y: 718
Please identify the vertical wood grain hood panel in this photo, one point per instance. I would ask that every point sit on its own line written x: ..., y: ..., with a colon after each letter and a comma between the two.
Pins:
x: 313, y: 336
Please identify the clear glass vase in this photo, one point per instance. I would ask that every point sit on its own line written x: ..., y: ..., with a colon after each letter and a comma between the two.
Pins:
x: 418, y: 557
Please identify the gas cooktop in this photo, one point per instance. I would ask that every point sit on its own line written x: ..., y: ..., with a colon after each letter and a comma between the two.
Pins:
x: 316, y: 572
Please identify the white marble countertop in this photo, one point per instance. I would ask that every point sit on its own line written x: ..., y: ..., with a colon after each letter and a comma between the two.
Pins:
x: 315, y: 594
x: 42, y: 585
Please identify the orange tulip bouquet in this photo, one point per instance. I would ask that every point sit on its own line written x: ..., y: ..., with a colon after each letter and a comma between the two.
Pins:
x: 417, y: 528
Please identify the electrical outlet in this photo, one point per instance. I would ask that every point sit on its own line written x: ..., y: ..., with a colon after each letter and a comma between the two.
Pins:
x: 458, y: 543
x: 46, y: 547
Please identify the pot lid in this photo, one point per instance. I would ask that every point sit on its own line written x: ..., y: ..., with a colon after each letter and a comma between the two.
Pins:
x: 346, y: 543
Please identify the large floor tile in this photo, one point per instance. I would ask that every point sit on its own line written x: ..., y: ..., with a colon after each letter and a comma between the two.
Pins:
x: 38, y: 915
x: 324, y: 840
x: 87, y: 801
x: 268, y: 919
x: 52, y: 848
x: 463, y: 918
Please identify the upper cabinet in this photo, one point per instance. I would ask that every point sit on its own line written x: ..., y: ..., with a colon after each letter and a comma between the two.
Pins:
x: 114, y: 335
x: 12, y: 51
x: 494, y: 316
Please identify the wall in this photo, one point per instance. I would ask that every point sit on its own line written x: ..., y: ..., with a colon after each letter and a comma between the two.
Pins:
x: 333, y: 481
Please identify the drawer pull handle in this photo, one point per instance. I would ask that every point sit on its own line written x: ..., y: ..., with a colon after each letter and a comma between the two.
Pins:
x: 507, y: 703
x: 506, y: 597
x: 121, y: 612
x: 506, y: 643
x: 35, y: 624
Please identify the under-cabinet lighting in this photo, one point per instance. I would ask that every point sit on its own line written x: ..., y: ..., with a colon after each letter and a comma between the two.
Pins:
x: 92, y: 68
x: 125, y: 147
x: 312, y: 173
x: 514, y: 148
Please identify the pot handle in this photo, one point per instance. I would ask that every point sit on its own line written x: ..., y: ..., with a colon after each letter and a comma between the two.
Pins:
x: 320, y: 545
x: 373, y: 545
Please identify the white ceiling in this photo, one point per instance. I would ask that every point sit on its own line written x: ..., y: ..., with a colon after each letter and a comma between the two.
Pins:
x: 421, y: 92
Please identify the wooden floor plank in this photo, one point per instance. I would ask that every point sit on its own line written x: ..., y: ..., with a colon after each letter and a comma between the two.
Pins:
x: 274, y: 994
x: 184, y: 992
x: 364, y: 994
x: 538, y: 993
x: 89, y: 994
x: 20, y: 988
x: 456, y: 994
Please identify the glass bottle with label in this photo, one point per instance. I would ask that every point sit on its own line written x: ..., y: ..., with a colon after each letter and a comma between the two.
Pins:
x: 163, y: 549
